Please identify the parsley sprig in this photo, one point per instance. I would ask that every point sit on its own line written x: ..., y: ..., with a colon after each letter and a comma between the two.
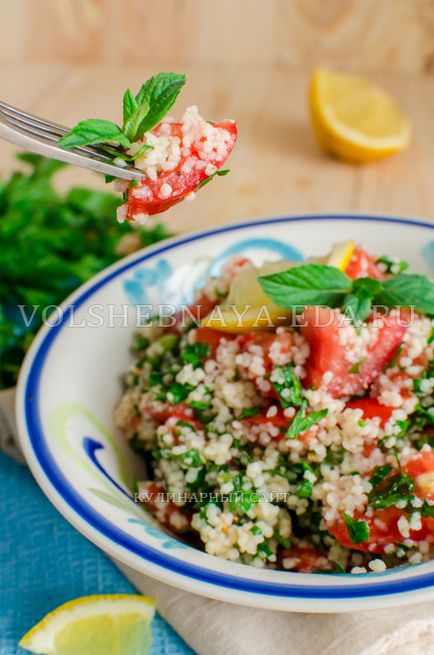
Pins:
x: 141, y: 112
x: 318, y: 284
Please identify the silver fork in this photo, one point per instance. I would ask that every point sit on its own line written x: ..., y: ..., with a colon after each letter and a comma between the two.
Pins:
x: 40, y: 136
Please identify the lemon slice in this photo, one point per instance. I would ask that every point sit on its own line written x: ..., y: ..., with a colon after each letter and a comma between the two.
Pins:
x: 247, y: 307
x: 354, y: 119
x: 95, y: 625
x: 341, y: 254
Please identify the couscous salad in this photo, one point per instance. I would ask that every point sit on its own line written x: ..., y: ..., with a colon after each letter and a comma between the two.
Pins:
x: 286, y: 418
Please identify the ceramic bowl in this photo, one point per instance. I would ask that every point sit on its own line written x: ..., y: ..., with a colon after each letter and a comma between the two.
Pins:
x: 71, y: 382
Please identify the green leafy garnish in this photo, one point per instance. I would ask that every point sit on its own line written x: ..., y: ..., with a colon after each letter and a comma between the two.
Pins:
x: 317, y: 284
x: 195, y: 353
x: 379, y: 474
x: 391, y: 489
x: 355, y: 368
x: 290, y: 391
x: 248, y: 412
x: 301, y: 422
x: 308, y: 284
x: 178, y: 392
x: 50, y: 243
x: 427, y: 510
x: 392, y: 266
x: 358, y: 530
x: 220, y: 173
x: 140, y: 114
x: 408, y: 291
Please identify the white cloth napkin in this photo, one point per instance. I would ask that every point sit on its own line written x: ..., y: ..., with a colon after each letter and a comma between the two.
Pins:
x: 210, y: 627
x: 214, y: 628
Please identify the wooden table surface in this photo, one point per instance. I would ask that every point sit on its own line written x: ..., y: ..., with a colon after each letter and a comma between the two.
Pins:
x: 276, y: 167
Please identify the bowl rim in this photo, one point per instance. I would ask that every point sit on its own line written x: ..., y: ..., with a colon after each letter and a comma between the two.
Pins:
x: 50, y: 477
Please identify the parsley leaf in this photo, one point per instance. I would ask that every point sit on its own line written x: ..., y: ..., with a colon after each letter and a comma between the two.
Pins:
x: 220, y: 173
x: 395, y: 488
x: 301, y: 422
x: 248, y: 412
x: 195, y: 353
x: 289, y: 390
x: 358, y: 530
x: 427, y: 510
x: 391, y: 265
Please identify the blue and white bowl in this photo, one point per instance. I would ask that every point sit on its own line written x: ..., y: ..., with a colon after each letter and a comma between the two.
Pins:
x: 71, y: 382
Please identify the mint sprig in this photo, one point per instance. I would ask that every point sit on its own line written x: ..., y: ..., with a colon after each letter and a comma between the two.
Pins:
x: 141, y: 113
x: 318, y: 284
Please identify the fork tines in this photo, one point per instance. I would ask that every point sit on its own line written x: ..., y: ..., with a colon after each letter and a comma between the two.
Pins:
x: 50, y: 133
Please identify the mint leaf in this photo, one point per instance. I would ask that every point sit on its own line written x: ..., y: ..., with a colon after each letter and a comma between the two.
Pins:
x: 308, y: 284
x: 358, y: 530
x: 160, y: 93
x: 301, y: 422
x: 94, y: 130
x: 408, y: 291
x: 131, y: 125
x: 357, y: 306
x: 129, y: 106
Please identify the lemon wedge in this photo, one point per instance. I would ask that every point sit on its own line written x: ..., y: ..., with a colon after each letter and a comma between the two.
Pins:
x: 341, y: 254
x: 247, y: 307
x: 354, y: 119
x: 95, y: 625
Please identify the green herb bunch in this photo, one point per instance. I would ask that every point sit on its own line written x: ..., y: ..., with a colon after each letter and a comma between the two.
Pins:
x: 49, y: 245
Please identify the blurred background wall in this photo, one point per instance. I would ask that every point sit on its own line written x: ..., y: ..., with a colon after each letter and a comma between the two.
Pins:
x: 373, y: 35
x: 245, y: 59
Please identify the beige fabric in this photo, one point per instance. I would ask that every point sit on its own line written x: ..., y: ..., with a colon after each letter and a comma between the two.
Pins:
x: 214, y: 628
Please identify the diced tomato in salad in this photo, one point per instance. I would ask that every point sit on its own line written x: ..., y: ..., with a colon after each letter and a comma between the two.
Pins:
x: 212, y: 338
x: 371, y: 408
x: 265, y: 340
x: 320, y: 326
x: 383, y: 523
x: 148, y: 196
x: 363, y: 265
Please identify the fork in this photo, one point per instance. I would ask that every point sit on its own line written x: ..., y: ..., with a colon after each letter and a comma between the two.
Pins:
x: 40, y: 136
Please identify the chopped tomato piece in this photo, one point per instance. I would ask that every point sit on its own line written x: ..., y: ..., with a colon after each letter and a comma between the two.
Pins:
x: 371, y: 408
x: 265, y: 340
x: 212, y: 338
x: 363, y: 265
x: 383, y: 530
x: 421, y: 469
x: 149, y: 196
x: 320, y: 326
x: 306, y: 559
x: 383, y: 523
